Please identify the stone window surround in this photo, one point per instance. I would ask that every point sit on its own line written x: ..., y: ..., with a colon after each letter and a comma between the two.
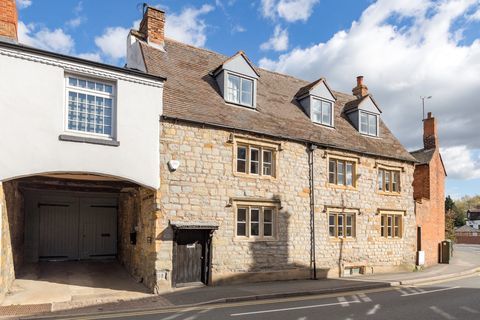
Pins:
x: 338, y: 210
x: 249, y: 142
x: 355, y: 160
x: 386, y: 212
x: 399, y: 170
x: 273, y: 204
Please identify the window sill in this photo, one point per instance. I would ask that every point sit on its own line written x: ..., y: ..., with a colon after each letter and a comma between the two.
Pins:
x: 336, y: 186
x: 246, y: 239
x: 234, y: 104
x: 391, y: 194
x: 81, y: 139
x: 253, y: 176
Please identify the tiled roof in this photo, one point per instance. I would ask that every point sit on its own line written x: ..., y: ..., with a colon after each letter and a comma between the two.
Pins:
x: 423, y: 156
x: 465, y: 228
x: 191, y: 93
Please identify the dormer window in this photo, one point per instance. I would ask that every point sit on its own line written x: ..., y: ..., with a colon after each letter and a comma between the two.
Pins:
x: 322, y: 112
x: 237, y: 80
x: 239, y: 90
x: 368, y: 123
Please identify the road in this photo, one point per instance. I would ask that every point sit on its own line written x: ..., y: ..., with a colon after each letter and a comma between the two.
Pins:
x: 456, y: 299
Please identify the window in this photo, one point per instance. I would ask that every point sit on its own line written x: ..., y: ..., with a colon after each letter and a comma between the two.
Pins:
x: 90, y: 106
x: 389, y: 181
x: 341, y: 172
x: 391, y: 225
x: 369, y: 124
x: 255, y: 160
x: 239, y: 90
x: 322, y: 112
x: 341, y: 225
x: 255, y: 221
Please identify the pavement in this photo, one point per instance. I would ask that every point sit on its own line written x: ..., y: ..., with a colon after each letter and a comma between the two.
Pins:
x: 466, y: 261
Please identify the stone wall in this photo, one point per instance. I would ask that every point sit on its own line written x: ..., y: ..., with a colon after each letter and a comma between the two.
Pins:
x: 136, y: 215
x: 11, y: 234
x: 204, y: 184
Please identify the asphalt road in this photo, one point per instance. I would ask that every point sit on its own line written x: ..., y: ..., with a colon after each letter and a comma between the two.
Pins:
x: 457, y: 299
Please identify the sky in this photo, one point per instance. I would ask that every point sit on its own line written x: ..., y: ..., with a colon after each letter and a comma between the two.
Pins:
x: 404, y: 49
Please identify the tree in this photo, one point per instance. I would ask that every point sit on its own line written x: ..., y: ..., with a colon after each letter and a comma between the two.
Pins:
x: 450, y: 225
x: 449, y: 203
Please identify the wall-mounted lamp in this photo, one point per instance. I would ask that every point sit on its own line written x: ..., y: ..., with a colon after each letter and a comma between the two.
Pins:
x: 173, y: 165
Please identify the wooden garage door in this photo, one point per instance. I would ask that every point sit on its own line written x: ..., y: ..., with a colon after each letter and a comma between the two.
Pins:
x: 77, y: 227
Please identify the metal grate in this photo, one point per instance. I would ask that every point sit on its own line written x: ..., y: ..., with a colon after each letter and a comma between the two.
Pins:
x: 30, y: 309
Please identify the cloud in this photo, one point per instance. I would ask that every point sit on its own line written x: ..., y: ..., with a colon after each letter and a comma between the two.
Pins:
x: 187, y: 26
x: 75, y: 22
x: 93, y: 56
x: 52, y: 40
x: 289, y: 10
x: 278, y: 41
x: 113, y: 42
x: 22, y: 4
x: 405, y: 49
x: 461, y: 163
x: 79, y: 17
x: 238, y: 29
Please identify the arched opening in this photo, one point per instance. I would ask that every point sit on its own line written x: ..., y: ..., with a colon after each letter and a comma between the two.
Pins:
x: 85, y: 231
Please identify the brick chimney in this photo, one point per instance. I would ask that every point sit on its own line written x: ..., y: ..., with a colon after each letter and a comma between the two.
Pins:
x: 430, y: 135
x: 153, y: 26
x: 360, y: 90
x: 8, y: 20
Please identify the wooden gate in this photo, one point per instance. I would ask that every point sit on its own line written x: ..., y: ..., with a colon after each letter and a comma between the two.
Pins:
x: 192, y: 257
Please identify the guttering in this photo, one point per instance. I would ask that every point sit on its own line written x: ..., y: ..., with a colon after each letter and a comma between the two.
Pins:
x: 299, y: 140
x: 313, y: 259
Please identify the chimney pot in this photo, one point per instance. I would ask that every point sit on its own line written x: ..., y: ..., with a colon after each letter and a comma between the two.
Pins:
x: 153, y: 26
x: 360, y: 90
x: 430, y: 134
x: 8, y: 20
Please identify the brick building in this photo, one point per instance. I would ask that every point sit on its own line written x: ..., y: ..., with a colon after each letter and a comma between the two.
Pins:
x: 429, y: 193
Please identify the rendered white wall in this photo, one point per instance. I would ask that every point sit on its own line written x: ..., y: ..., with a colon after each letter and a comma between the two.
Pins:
x: 32, y: 111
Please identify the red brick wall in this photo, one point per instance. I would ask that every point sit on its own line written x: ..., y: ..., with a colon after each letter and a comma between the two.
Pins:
x: 468, y: 239
x: 8, y: 19
x: 429, y: 192
x: 153, y: 25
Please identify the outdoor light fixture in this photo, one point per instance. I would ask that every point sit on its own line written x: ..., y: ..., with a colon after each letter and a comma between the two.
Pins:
x: 173, y: 165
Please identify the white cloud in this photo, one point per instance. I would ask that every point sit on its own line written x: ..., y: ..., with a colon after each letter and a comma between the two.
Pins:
x: 461, y: 163
x: 93, y: 56
x: 238, y: 29
x: 278, y: 41
x: 289, y: 10
x: 53, y: 40
x: 22, y: 4
x: 405, y: 49
x: 187, y: 26
x: 113, y: 42
x: 75, y: 22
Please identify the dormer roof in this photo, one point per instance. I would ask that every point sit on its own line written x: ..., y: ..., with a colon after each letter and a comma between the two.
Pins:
x: 366, y: 103
x: 310, y: 88
x: 237, y: 62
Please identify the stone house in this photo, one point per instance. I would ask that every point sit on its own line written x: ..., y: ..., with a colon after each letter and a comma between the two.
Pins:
x: 265, y: 176
x: 192, y: 167
x: 429, y: 194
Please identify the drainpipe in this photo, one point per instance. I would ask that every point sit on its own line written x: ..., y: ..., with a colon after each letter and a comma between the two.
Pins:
x: 313, y: 261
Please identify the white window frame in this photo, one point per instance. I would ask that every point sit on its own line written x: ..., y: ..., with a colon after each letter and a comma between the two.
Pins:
x: 322, y: 101
x: 261, y: 222
x: 369, y: 115
x: 86, y: 91
x: 241, y: 79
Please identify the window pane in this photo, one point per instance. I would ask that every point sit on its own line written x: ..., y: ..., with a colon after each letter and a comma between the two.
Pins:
x: 372, y: 124
x: 247, y: 88
x: 91, y: 85
x: 389, y: 226
x: 82, y: 83
x: 267, y: 215
x: 267, y: 230
x: 380, y: 180
x: 331, y: 171
x: 387, y: 180
x: 340, y: 225
x: 242, y: 159
x: 255, y: 214
x: 267, y: 162
x: 363, y: 122
x: 340, y: 173
x: 349, y: 173
x: 108, y: 89
x: 72, y: 81
x: 241, y: 222
x: 382, y: 231
x: 316, y: 110
x: 398, y: 225
x: 233, y: 88
x: 254, y: 161
x: 326, y: 113
x: 331, y: 225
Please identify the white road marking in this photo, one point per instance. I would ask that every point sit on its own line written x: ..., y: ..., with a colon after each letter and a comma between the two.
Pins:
x: 355, y: 298
x: 431, y: 291
x: 343, y: 301
x: 442, y: 313
x: 373, y: 310
x: 401, y: 291
x: 364, y: 297
x: 302, y: 318
x: 191, y: 318
x: 173, y: 316
x: 292, y: 308
x: 468, y: 309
